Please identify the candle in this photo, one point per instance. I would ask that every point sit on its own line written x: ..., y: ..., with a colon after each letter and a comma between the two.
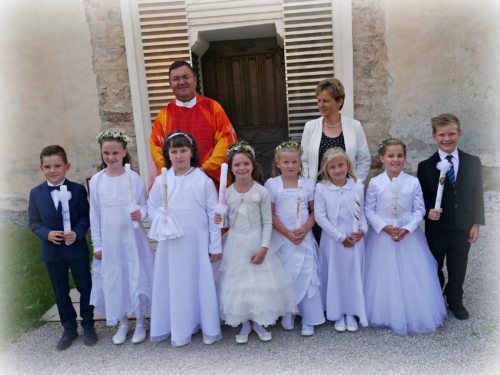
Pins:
x: 64, y: 197
x: 221, y: 204
x: 443, y: 167
x: 298, y: 209
x: 357, y: 207
x: 164, y: 187
x: 131, y: 193
x: 222, y: 184
x: 395, y: 189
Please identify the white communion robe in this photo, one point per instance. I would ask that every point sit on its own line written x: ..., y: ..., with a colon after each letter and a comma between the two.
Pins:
x: 122, y: 280
x: 184, y: 293
x: 300, y: 261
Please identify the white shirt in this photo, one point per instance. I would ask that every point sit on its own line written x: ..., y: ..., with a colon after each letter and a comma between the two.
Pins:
x: 189, y: 104
x: 454, y: 159
x: 55, y: 193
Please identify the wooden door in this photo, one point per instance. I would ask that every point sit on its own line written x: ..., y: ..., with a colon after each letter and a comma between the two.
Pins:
x: 247, y: 77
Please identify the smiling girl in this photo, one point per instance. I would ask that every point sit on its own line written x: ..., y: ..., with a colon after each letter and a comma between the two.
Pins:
x: 123, y: 259
x: 401, y: 285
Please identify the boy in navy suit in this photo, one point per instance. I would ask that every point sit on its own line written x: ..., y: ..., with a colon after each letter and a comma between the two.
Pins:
x: 451, y: 229
x: 64, y: 251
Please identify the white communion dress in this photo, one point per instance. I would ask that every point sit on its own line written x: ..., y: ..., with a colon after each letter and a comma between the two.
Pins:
x: 260, y: 293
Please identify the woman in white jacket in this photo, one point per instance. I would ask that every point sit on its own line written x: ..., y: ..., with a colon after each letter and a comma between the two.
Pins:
x: 333, y: 129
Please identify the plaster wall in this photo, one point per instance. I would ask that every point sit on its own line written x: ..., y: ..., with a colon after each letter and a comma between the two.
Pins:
x: 444, y: 58
x: 48, y: 93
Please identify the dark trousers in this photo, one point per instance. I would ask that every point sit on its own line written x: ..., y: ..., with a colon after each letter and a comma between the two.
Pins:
x: 454, y: 246
x: 59, y: 277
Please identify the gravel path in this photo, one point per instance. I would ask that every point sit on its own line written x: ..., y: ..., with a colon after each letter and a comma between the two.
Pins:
x: 459, y: 347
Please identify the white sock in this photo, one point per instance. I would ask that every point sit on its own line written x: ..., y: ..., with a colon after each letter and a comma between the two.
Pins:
x: 245, y: 329
x: 124, y: 322
x: 258, y: 328
x: 140, y: 321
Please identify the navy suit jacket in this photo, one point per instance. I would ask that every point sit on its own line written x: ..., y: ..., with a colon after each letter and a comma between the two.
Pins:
x: 463, y: 205
x: 44, y: 217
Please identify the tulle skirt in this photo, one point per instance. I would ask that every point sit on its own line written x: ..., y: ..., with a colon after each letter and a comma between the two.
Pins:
x: 260, y: 293
x: 402, y: 290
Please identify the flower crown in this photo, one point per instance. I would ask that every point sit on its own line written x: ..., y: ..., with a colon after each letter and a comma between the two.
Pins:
x: 240, y: 147
x: 114, y: 134
x: 289, y: 145
x: 388, y: 142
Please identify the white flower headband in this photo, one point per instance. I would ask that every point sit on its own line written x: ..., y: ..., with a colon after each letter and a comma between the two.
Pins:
x: 114, y: 134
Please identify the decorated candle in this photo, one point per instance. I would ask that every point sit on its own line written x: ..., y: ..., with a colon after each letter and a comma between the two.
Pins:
x: 394, y: 205
x: 131, y: 193
x: 164, y: 187
x: 443, y: 167
x: 64, y: 197
x: 222, y: 184
x: 357, y: 207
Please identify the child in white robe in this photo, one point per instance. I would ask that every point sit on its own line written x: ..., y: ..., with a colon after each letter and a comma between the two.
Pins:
x: 342, y: 245
x: 292, y: 205
x: 184, y: 292
x: 401, y: 284
x: 254, y: 286
x: 123, y: 259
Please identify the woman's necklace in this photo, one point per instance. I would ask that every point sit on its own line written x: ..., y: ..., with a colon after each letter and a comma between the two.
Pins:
x: 332, y: 126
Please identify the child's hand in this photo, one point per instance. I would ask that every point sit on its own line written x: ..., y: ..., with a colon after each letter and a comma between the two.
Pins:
x: 434, y: 214
x: 300, y: 233
x: 348, y: 242
x: 69, y: 238
x: 136, y: 215
x: 474, y: 233
x: 391, y: 231
x: 260, y: 256
x: 295, y: 237
x: 56, y: 237
x: 401, y: 235
x: 215, y: 257
x: 218, y: 219
x: 98, y: 255
x: 357, y: 236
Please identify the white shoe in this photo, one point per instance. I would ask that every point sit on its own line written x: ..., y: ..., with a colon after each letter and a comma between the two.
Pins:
x: 139, y: 334
x: 287, y: 322
x: 340, y: 325
x: 307, y: 330
x: 265, y: 336
x: 121, y: 335
x: 351, y: 323
x: 241, y: 339
x: 208, y: 341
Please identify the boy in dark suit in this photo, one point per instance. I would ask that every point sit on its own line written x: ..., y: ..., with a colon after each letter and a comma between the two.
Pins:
x: 451, y: 229
x: 64, y: 251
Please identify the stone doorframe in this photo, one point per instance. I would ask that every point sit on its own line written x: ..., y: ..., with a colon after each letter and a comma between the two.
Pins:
x: 343, y: 60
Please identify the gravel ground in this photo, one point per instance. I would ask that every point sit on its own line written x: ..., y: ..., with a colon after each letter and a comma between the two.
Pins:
x: 459, y: 347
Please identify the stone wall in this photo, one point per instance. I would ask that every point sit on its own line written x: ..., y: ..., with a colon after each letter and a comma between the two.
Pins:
x: 416, y: 59
x: 110, y: 67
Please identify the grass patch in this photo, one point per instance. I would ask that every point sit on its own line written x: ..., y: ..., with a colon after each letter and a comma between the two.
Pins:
x: 25, y: 290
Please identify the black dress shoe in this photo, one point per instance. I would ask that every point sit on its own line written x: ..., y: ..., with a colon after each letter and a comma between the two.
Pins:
x: 459, y: 311
x: 89, y: 337
x: 66, y: 339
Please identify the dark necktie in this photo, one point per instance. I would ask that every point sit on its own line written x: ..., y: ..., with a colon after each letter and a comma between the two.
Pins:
x: 451, y: 171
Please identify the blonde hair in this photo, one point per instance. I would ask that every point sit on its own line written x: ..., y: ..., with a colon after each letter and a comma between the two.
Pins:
x: 332, y: 86
x: 333, y: 153
x: 443, y: 120
x: 288, y: 146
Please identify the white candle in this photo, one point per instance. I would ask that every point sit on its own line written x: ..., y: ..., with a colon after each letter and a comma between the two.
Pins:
x: 64, y: 197
x: 395, y: 189
x: 164, y: 187
x: 222, y: 184
x: 357, y: 207
x: 131, y: 193
x: 443, y: 167
x: 298, y: 209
